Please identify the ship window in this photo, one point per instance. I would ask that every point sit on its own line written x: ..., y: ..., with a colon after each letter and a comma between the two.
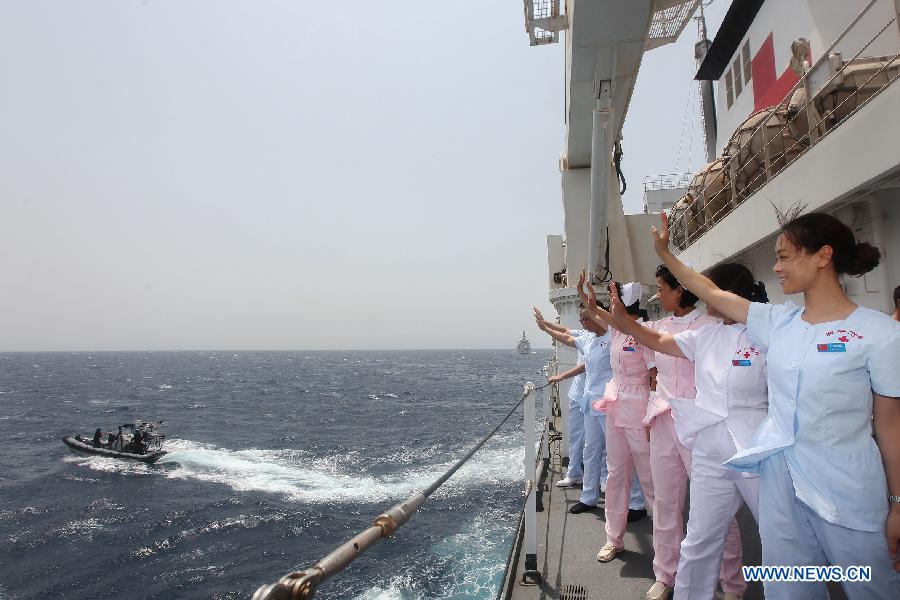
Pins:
x: 745, y: 55
x: 729, y: 89
x: 736, y: 67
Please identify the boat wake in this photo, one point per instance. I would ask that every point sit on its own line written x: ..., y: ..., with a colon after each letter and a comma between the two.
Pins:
x: 315, y: 480
x: 319, y: 480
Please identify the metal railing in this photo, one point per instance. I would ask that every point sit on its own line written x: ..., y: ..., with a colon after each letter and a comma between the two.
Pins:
x: 815, y: 106
x: 667, y: 24
x: 526, y: 528
x: 543, y: 21
x: 302, y: 585
x: 668, y: 181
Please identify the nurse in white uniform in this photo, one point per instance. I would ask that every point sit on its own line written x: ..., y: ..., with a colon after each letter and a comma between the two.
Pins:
x: 670, y: 460
x: 829, y: 491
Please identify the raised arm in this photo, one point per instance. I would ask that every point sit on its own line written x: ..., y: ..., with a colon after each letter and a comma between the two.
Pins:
x: 539, y: 318
x: 577, y: 370
x: 589, y: 299
x: 730, y: 305
x: 661, y: 342
x: 887, y: 434
x: 563, y: 337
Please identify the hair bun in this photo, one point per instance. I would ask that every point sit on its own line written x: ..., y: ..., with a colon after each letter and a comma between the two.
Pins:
x: 759, y: 293
x: 865, y: 258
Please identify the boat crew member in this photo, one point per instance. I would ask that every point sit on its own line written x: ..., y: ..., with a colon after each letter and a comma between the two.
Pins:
x: 829, y: 491
x: 137, y: 443
x: 97, y: 435
x: 115, y: 439
x: 625, y: 401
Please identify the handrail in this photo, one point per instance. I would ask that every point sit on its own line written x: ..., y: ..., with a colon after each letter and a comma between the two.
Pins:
x: 302, y: 585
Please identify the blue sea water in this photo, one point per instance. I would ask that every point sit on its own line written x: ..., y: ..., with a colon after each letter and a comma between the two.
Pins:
x: 275, y: 459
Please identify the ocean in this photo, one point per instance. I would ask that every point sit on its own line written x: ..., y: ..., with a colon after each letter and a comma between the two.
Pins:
x: 275, y: 458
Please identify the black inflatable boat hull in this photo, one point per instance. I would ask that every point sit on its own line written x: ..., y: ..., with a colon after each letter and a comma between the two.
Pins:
x: 89, y: 448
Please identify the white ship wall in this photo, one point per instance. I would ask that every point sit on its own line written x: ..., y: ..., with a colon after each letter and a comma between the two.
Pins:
x: 820, y: 22
x: 658, y: 200
x: 889, y: 202
x: 875, y: 219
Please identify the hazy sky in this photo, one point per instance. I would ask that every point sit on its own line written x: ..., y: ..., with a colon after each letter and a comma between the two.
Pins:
x: 278, y: 174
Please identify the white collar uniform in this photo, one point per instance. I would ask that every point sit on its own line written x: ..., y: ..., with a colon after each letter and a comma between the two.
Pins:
x: 730, y: 375
x: 597, y: 370
x: 821, y: 379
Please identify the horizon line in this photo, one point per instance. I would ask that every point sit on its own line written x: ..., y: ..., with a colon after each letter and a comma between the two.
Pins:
x: 220, y: 350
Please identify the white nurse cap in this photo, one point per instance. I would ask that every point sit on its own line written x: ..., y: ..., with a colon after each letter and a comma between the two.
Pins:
x: 631, y: 293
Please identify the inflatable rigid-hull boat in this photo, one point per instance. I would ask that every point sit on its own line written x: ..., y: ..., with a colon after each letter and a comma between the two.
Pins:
x: 76, y: 442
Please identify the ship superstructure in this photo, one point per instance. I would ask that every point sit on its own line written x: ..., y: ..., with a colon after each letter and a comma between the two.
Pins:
x: 524, y: 346
x: 805, y: 118
x: 818, y: 83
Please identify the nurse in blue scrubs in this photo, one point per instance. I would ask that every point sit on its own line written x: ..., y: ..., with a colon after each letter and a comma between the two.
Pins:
x: 829, y: 490
x: 567, y: 336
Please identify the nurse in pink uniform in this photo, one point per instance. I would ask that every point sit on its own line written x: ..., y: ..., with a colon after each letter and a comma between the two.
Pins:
x: 627, y: 447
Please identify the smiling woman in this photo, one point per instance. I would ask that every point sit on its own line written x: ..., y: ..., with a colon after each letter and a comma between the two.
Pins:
x: 810, y: 243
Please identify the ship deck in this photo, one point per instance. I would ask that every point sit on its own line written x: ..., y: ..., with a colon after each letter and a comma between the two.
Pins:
x: 567, y: 546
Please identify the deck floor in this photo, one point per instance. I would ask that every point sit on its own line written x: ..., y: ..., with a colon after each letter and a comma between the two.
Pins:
x: 567, y: 548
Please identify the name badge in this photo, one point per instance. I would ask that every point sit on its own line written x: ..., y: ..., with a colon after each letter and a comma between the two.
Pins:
x: 831, y: 347
x: 628, y: 348
x: 741, y: 363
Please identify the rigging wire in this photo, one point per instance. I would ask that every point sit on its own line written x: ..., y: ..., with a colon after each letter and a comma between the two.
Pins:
x: 685, y: 112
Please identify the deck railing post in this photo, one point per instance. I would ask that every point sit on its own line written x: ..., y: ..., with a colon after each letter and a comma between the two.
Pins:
x: 531, y: 575
x: 545, y: 429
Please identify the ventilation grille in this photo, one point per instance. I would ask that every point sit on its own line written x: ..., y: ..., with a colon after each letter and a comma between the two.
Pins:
x: 573, y: 592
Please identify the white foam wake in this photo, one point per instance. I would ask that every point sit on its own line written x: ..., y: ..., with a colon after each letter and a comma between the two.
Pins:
x: 312, y: 480
x: 475, y: 556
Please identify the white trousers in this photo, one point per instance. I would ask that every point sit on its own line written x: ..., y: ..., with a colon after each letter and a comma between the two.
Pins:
x: 716, y: 495
x: 670, y: 465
